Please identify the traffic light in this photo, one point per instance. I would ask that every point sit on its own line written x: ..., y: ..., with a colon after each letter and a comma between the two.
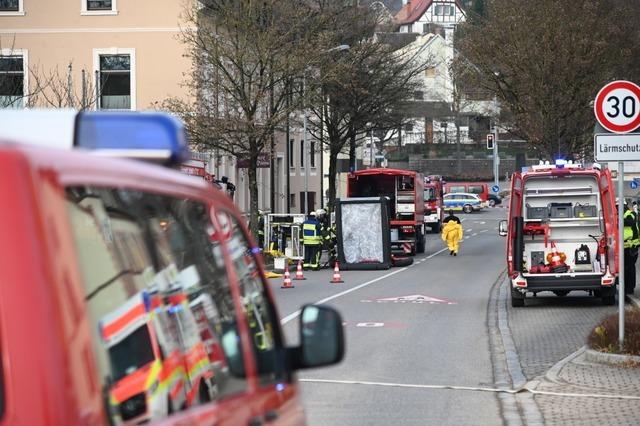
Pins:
x: 490, y: 140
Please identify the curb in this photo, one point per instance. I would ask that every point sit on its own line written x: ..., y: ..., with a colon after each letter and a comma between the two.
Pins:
x: 553, y: 374
x: 610, y: 359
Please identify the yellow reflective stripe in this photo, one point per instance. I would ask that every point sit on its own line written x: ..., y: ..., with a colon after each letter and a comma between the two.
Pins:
x: 200, y: 365
x: 154, y: 372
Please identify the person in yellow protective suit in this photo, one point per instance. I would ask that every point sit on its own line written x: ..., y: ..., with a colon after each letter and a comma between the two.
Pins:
x: 452, y: 234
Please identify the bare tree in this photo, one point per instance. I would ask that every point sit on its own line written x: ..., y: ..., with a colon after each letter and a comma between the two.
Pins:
x: 245, y: 56
x: 57, y: 89
x: 47, y: 88
x: 546, y: 60
x: 365, y: 89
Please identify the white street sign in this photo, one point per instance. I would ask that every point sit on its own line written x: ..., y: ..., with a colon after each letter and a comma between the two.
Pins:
x: 617, y: 147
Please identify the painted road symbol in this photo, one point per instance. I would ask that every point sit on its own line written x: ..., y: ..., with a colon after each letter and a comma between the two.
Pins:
x: 415, y: 298
x: 617, y: 106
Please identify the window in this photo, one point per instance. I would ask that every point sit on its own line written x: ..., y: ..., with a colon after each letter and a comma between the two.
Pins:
x: 115, y: 82
x: 258, y: 308
x: 408, y: 127
x: 418, y: 95
x: 12, y: 81
x: 445, y: 10
x: 302, y: 153
x: 98, y: 7
x: 133, y: 249
x: 11, y: 7
x: 476, y: 189
x: 312, y: 154
x: 291, y: 151
x: 410, y: 28
x: 460, y: 188
x: 292, y: 200
x: 98, y: 4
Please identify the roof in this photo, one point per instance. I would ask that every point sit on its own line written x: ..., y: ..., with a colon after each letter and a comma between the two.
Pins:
x: 385, y: 171
x: 414, y: 9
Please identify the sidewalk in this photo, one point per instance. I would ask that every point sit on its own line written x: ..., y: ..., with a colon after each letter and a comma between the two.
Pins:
x: 589, y: 388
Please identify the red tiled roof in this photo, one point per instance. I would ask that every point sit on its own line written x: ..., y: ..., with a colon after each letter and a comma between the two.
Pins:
x: 414, y: 9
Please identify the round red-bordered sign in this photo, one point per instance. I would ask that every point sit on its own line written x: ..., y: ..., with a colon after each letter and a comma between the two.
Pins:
x: 617, y: 106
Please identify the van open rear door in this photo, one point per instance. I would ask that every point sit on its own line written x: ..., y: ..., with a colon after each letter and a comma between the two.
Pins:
x: 610, y: 219
x: 515, y: 209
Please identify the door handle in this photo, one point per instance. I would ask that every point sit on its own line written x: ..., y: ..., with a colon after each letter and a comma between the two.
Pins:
x: 256, y: 421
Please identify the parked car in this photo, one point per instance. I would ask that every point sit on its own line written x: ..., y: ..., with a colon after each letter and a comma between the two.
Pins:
x: 494, y: 199
x: 479, y: 188
x: 461, y: 201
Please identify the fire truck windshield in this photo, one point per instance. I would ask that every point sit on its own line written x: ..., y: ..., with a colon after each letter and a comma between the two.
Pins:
x: 131, y: 353
x: 429, y: 194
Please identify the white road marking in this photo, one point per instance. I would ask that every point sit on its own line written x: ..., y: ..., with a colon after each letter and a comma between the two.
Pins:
x: 295, y: 314
x: 436, y: 253
x: 469, y: 230
x: 370, y: 324
x: 484, y: 230
x: 474, y: 234
x: 471, y: 388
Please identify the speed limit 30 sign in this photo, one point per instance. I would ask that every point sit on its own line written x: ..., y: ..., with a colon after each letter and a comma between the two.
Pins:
x: 617, y: 106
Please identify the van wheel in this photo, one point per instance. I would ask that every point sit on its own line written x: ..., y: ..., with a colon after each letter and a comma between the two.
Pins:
x: 517, y: 299
x: 492, y: 203
x: 467, y: 208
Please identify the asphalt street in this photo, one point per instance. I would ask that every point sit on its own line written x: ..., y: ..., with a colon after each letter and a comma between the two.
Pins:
x: 417, y: 337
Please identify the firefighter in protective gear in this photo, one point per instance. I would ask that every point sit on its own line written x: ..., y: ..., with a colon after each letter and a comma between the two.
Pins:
x: 312, y: 241
x: 631, y: 238
x: 452, y: 235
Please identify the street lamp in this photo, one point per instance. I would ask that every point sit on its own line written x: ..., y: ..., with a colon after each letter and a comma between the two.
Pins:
x: 305, y: 207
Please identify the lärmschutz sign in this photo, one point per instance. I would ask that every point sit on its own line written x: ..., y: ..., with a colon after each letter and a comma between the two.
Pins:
x: 617, y: 147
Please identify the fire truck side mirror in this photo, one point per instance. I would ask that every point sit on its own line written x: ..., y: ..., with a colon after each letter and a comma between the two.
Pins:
x: 503, y: 228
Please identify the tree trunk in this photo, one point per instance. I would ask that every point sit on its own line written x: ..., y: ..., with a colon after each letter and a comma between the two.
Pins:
x: 333, y: 160
x: 253, y: 194
x: 352, y: 151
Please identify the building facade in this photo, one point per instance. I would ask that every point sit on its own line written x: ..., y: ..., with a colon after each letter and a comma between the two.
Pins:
x: 102, y: 54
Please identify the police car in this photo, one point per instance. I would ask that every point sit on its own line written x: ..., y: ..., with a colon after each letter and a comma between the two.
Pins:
x: 462, y: 201
x: 135, y: 292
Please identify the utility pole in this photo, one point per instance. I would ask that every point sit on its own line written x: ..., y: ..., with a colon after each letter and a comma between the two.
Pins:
x: 496, y: 158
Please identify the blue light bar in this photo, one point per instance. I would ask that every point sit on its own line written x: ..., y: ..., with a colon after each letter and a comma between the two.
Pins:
x: 143, y: 135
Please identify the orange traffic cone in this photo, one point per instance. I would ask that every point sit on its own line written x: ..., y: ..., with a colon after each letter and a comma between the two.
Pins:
x: 337, y: 279
x: 287, y: 279
x: 299, y: 275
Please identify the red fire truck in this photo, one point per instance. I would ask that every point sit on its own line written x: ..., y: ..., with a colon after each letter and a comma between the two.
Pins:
x: 405, y: 190
x: 562, y: 232
x: 433, y: 203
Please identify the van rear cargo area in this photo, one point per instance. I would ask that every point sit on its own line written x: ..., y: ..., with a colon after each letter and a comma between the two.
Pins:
x: 562, y: 227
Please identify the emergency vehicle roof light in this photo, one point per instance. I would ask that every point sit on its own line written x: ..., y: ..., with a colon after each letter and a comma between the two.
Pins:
x: 560, y: 163
x: 152, y: 136
x: 146, y: 300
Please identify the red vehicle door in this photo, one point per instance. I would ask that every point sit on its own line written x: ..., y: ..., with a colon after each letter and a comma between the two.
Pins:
x: 275, y: 399
x: 515, y: 209
x: 610, y: 218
